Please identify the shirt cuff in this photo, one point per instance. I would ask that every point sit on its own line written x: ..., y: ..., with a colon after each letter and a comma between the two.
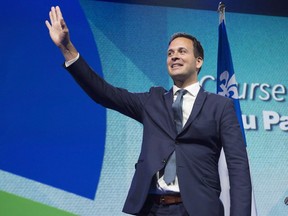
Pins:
x: 70, y: 62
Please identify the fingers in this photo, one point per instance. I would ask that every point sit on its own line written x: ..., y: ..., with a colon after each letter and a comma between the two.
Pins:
x: 55, y: 14
x: 58, y: 13
x: 48, y: 24
x: 56, y: 19
x: 52, y: 15
x: 60, y: 17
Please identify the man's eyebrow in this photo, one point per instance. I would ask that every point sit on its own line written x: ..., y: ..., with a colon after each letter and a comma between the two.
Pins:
x: 178, y: 48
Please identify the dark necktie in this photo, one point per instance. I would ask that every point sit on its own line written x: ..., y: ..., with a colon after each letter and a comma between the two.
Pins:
x: 170, y: 168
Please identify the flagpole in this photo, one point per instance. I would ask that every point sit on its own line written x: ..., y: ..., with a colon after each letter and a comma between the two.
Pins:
x: 222, y: 164
x: 221, y: 11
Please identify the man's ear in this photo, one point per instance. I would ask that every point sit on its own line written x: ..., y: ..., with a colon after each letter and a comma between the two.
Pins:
x: 199, y: 62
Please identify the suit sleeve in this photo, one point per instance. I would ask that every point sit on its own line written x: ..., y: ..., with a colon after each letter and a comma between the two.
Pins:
x: 127, y: 103
x: 237, y: 162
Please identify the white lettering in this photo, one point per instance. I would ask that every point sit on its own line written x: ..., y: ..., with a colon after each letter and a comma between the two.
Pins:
x: 249, y: 122
x: 262, y: 89
x: 244, y: 91
x: 253, y: 87
x: 270, y: 118
x: 204, y: 79
x: 284, y: 123
x: 278, y: 89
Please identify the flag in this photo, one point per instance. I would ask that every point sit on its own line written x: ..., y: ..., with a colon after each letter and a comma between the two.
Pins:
x: 227, y: 86
x: 226, y: 81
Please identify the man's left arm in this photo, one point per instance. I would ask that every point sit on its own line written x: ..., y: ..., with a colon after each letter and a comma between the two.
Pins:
x: 237, y: 162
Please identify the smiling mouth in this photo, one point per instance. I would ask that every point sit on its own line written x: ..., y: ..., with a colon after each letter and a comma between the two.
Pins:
x: 176, y: 65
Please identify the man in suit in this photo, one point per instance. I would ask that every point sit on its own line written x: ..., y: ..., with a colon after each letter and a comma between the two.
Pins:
x: 208, y: 122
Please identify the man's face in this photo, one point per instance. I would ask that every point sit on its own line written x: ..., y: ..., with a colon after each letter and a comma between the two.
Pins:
x: 181, y: 63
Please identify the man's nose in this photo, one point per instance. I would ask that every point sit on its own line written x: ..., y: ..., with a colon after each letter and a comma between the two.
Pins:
x: 175, y: 57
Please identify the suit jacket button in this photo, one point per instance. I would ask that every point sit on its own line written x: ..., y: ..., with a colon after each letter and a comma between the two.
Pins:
x: 164, y: 161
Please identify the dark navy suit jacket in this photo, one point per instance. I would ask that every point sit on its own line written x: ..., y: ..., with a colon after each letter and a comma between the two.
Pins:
x: 212, y: 125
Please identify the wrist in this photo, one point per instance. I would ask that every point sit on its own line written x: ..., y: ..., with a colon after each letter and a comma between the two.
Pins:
x: 69, y: 51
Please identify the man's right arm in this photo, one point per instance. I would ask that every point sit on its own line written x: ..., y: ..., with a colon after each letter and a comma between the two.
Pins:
x: 98, y: 89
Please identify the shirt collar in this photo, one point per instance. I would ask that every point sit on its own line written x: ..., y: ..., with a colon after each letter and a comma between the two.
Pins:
x: 192, y: 89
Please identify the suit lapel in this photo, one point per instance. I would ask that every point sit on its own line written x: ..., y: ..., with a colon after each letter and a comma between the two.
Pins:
x: 198, y: 104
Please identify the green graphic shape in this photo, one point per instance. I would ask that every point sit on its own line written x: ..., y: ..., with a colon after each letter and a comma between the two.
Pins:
x: 11, y: 205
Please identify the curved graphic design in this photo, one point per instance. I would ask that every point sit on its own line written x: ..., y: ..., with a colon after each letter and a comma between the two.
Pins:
x: 52, y: 135
x: 51, y: 132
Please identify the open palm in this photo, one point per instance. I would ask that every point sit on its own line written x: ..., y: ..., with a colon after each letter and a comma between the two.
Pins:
x: 58, y: 30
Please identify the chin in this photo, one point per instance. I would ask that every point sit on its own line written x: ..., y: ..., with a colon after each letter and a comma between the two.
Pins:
x: 178, y: 77
x: 176, y: 74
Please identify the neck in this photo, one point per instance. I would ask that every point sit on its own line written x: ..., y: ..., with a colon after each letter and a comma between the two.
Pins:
x: 184, y: 84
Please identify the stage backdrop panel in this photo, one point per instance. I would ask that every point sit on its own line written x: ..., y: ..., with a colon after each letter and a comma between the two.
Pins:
x: 60, y: 149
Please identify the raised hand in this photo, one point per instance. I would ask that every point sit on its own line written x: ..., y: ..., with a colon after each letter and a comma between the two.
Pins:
x: 58, y: 30
x: 59, y: 33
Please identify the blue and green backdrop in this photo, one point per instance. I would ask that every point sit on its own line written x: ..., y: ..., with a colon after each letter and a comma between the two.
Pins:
x: 60, y: 151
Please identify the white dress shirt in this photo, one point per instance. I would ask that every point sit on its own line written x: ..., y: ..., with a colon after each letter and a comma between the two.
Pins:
x: 188, y: 103
x: 68, y: 63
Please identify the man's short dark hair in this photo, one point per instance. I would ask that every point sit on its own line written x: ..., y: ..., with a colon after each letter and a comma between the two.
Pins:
x: 198, y: 49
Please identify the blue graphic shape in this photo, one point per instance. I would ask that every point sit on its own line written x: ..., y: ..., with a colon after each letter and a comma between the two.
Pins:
x: 141, y: 29
x: 51, y: 131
